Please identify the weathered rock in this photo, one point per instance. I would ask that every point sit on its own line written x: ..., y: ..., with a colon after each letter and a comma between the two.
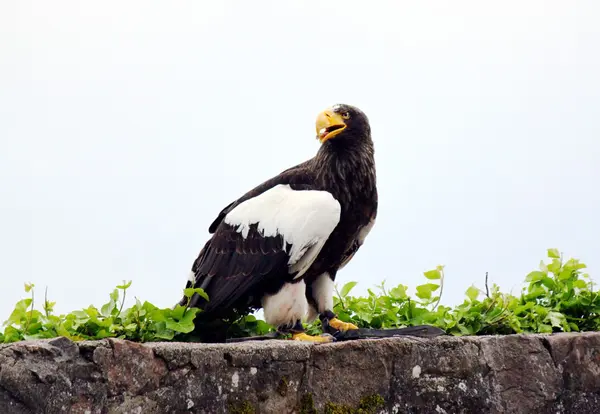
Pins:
x: 500, y: 374
x: 129, y: 367
x: 448, y: 375
x: 577, y: 358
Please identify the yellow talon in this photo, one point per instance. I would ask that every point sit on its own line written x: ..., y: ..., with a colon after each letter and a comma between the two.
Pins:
x: 341, y: 326
x: 309, y: 338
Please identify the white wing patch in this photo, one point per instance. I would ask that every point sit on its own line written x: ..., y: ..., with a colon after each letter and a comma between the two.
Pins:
x: 304, y: 219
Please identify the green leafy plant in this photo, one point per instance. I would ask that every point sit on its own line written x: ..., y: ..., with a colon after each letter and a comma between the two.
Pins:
x: 142, y: 322
x: 557, y: 297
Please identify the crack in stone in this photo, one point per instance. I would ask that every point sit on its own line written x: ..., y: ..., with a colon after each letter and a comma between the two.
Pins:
x: 391, y: 395
x: 229, y: 358
x: 546, y: 344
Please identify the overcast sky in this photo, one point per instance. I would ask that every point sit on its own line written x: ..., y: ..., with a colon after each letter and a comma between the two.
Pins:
x: 125, y: 127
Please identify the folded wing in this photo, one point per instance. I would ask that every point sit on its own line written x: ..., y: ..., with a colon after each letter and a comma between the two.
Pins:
x: 262, y: 243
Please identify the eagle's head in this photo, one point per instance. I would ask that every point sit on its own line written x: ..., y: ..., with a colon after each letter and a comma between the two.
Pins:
x: 342, y: 123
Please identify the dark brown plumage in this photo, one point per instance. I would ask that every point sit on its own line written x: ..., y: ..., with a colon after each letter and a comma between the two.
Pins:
x: 238, y: 271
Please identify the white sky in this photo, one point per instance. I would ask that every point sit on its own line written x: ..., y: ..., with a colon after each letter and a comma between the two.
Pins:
x: 126, y: 126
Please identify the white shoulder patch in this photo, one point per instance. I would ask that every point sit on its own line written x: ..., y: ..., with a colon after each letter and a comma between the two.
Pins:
x: 304, y: 218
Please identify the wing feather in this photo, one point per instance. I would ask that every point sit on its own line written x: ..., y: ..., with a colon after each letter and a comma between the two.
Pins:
x: 263, y: 242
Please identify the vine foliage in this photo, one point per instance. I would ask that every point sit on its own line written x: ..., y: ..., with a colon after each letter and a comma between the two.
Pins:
x: 557, y: 297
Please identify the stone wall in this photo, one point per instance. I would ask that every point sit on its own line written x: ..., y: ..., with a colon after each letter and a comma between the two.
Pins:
x: 506, y: 374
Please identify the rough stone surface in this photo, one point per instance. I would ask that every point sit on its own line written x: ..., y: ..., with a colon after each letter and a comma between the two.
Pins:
x: 505, y: 374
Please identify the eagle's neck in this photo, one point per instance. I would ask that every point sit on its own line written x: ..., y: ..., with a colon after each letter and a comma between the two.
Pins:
x: 347, y: 169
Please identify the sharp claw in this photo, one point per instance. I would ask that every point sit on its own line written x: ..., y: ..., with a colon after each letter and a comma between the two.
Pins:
x: 310, y: 338
x: 341, y: 326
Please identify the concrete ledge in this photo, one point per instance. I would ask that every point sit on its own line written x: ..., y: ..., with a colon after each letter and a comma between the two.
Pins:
x: 505, y: 374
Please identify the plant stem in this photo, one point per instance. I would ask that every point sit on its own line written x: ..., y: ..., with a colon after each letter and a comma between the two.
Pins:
x: 46, y: 301
x: 30, y: 311
x: 337, y: 292
x: 122, y: 303
x: 441, y: 289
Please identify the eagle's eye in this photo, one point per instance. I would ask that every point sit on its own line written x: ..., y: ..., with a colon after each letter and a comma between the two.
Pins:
x: 346, y: 115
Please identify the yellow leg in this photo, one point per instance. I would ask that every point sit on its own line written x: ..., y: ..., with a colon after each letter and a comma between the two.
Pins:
x: 309, y: 338
x: 341, y: 326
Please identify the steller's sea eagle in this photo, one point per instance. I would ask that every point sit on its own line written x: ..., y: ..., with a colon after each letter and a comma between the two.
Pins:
x: 280, y: 245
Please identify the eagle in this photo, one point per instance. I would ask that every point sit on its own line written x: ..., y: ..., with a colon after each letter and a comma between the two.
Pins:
x: 280, y: 246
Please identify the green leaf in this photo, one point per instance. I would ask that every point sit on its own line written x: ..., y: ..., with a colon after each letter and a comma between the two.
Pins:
x: 548, y: 282
x: 347, y: 288
x: 433, y: 274
x: 472, y: 293
x: 556, y: 319
x: 158, y: 315
x: 189, y: 292
x: 12, y: 334
x: 34, y: 328
x: 565, y: 274
x: 525, y: 307
x: 544, y: 328
x: 131, y: 327
x: 535, y: 276
x: 555, y: 266
x: 103, y: 333
x: 465, y: 330
x: 553, y: 254
x: 182, y: 326
x: 161, y: 331
x: 424, y: 291
x: 80, y: 315
x: 19, y: 312
x: 148, y: 307
x: 540, y: 310
x: 124, y: 286
x: 107, y: 309
x: 535, y: 292
x: 399, y: 292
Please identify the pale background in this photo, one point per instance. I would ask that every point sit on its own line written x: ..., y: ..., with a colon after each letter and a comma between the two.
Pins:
x: 126, y: 126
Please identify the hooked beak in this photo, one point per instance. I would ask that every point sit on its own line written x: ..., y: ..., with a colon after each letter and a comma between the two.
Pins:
x: 329, y: 124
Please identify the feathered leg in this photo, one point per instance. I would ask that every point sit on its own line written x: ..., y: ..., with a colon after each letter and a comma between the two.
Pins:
x: 320, y: 298
x: 286, y: 309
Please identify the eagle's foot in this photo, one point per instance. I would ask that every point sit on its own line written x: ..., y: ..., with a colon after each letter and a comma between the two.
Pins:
x: 299, y: 334
x: 302, y: 336
x: 333, y: 325
x: 341, y: 326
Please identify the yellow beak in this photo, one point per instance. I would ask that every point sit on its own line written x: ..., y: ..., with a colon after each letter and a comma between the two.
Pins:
x: 329, y: 124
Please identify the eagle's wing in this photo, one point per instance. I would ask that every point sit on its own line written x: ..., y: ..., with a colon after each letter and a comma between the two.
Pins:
x: 361, y: 235
x: 263, y: 241
x: 297, y: 174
